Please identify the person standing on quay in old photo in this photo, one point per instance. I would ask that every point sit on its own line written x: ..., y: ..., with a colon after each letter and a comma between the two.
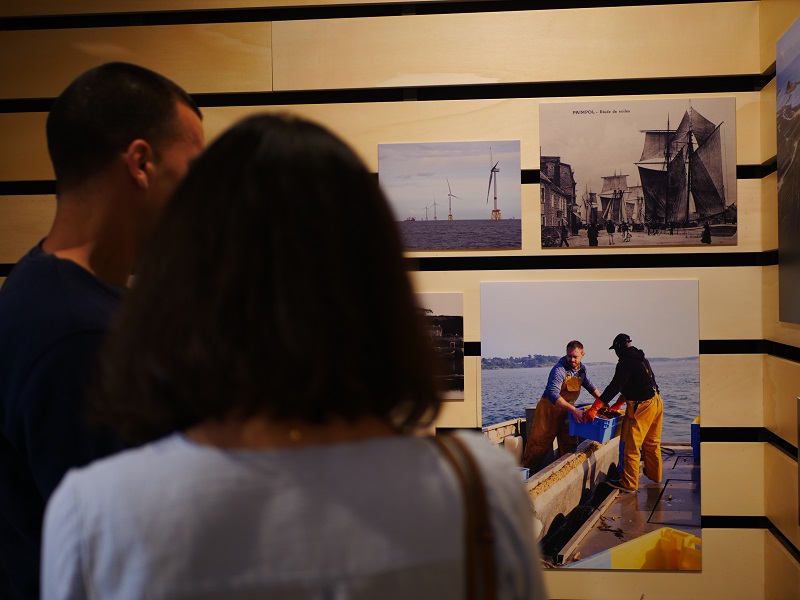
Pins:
x: 120, y: 138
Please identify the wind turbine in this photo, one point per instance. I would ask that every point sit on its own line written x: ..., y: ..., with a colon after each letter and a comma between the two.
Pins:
x: 493, y: 175
x: 434, y: 205
x: 450, y: 196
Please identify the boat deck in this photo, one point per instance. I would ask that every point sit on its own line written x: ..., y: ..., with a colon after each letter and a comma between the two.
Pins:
x: 673, y: 503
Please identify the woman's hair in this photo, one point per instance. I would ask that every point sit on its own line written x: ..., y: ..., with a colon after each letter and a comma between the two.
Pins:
x: 274, y: 285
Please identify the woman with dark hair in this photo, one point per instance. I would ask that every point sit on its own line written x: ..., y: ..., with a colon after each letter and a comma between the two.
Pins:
x: 271, y: 357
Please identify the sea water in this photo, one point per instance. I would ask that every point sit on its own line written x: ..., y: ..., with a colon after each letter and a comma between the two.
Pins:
x: 506, y: 393
x: 459, y: 235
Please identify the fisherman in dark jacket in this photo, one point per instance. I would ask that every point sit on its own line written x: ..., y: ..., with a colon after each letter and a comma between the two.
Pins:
x: 635, y: 380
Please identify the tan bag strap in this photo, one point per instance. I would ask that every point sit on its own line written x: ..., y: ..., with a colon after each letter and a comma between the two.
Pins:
x: 481, y: 578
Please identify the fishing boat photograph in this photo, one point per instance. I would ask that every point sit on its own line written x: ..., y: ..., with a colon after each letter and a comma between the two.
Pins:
x: 627, y: 173
x: 570, y: 339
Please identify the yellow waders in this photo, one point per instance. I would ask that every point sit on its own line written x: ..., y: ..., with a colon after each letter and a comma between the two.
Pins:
x: 642, y: 429
x: 549, y: 422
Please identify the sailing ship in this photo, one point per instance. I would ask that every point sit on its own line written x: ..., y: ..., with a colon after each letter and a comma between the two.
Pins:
x: 681, y: 171
x: 621, y: 203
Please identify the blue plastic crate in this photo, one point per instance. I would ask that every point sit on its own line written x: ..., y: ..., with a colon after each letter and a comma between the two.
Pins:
x: 600, y: 429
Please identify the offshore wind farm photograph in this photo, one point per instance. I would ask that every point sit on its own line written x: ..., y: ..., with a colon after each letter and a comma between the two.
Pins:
x: 454, y: 195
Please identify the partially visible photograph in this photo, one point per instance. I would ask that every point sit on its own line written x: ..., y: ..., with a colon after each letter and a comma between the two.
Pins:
x: 788, y: 119
x: 444, y: 313
x: 627, y: 173
x: 454, y: 195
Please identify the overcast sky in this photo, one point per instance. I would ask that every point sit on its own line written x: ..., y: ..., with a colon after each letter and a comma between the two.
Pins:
x: 415, y: 175
x: 521, y: 318
x: 602, y: 144
x: 444, y: 303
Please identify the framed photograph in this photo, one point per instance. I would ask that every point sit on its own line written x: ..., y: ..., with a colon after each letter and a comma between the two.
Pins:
x: 454, y: 195
x: 527, y: 330
x: 626, y: 173
x: 788, y: 120
x: 444, y: 313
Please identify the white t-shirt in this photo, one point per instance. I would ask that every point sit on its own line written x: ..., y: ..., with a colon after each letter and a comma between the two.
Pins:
x: 375, y: 519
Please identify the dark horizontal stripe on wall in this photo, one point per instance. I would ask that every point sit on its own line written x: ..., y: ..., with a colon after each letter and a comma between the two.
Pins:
x: 27, y: 188
x: 722, y: 522
x: 747, y: 434
x: 549, y: 89
x: 472, y: 348
x: 750, y: 347
x: 606, y: 260
x: 756, y: 171
x: 247, y: 15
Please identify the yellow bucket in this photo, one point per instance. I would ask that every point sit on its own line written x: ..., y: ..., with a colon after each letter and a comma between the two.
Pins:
x: 664, y: 549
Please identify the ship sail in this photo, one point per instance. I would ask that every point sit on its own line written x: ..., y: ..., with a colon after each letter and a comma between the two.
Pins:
x: 682, y: 172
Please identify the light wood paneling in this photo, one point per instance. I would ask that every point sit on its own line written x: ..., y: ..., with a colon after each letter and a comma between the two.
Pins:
x: 732, y: 479
x: 782, y: 571
x: 365, y: 125
x: 733, y: 569
x: 219, y: 57
x: 549, y: 45
x: 775, y: 18
x: 769, y: 127
x: 731, y: 390
x: 23, y: 147
x: 774, y: 329
x: 769, y: 211
x: 720, y: 316
x: 780, y: 490
x: 781, y: 379
x: 24, y: 220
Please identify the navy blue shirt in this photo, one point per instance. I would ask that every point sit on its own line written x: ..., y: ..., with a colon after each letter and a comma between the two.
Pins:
x: 53, y: 317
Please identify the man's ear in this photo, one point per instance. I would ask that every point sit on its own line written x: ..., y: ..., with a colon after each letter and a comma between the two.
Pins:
x: 138, y: 157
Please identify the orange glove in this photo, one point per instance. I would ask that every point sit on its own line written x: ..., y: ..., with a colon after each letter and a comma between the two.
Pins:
x: 617, y: 406
x: 590, y: 413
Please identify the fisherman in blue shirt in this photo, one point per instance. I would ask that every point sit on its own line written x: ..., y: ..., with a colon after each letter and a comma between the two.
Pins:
x: 564, y: 385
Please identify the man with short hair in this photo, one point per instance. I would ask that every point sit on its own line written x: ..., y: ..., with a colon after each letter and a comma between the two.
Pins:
x: 120, y: 138
x: 641, y: 428
x: 563, y: 387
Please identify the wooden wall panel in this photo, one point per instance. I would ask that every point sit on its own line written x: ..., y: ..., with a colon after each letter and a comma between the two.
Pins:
x: 365, y: 125
x: 775, y: 17
x: 731, y: 388
x: 24, y: 220
x: 217, y: 57
x: 23, y: 147
x: 548, y: 45
x: 781, y: 492
x: 733, y: 569
x: 769, y: 211
x: 781, y: 380
x: 724, y: 465
x: 781, y: 571
x: 769, y: 127
x: 774, y: 329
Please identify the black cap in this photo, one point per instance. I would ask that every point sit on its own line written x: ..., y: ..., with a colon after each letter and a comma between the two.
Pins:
x: 621, y: 341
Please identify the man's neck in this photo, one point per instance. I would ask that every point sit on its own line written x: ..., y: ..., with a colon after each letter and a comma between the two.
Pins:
x: 92, y: 234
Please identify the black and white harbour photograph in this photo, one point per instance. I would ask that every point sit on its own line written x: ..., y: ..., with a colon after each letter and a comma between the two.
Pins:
x: 559, y: 334
x: 444, y: 315
x: 454, y: 195
x: 788, y: 118
x: 626, y: 173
